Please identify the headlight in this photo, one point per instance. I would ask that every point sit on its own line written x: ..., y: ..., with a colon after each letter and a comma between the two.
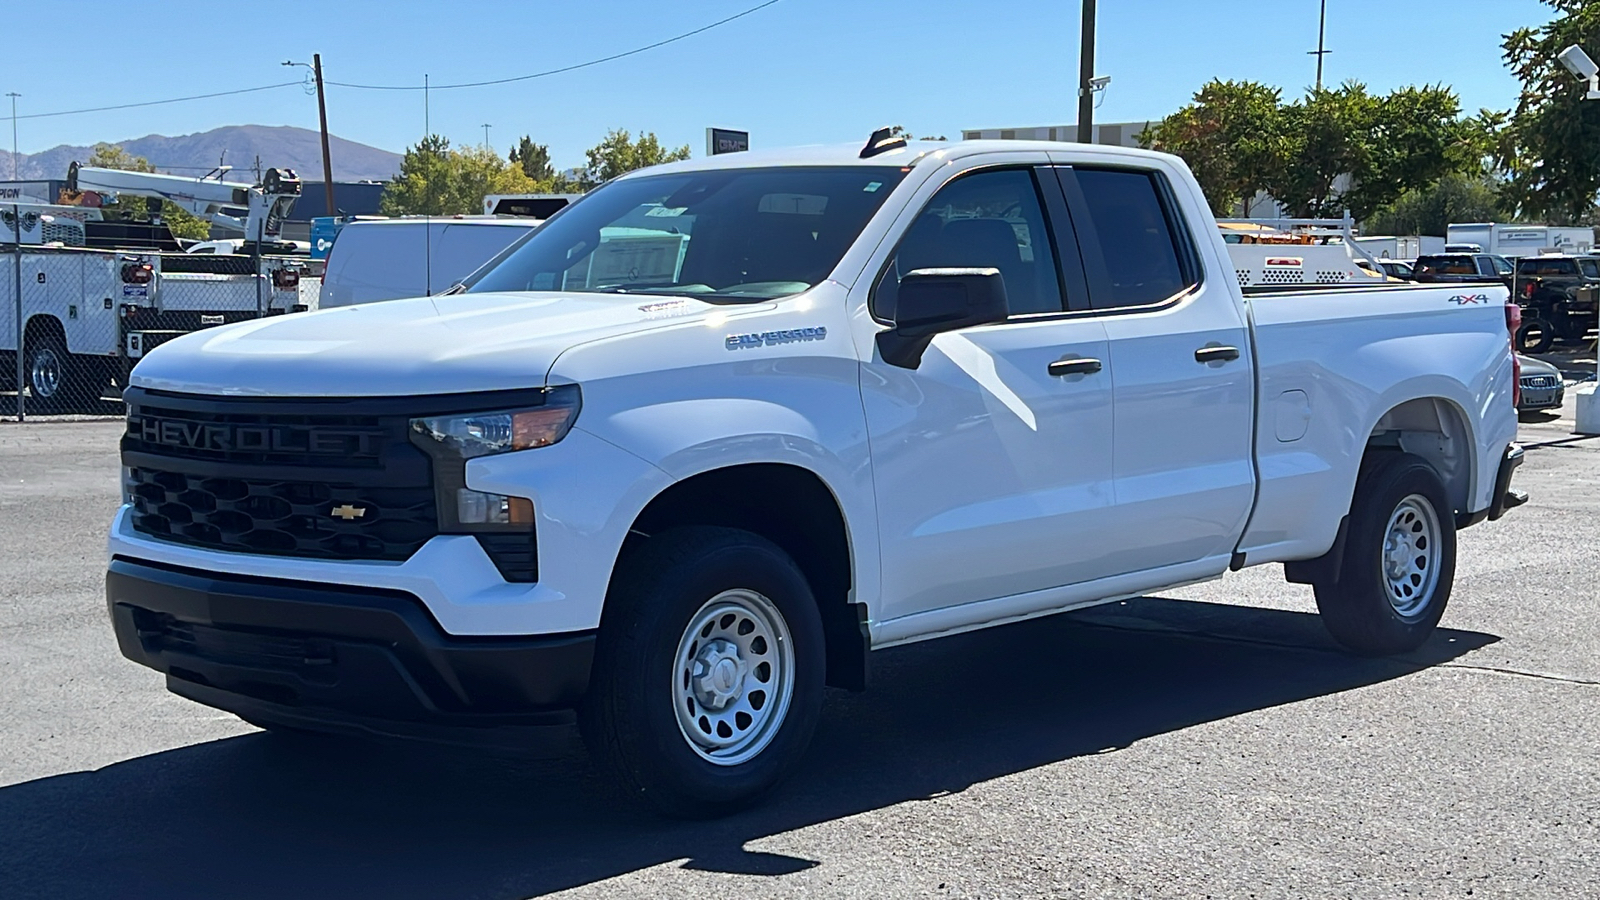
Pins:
x: 481, y: 434
x: 453, y: 439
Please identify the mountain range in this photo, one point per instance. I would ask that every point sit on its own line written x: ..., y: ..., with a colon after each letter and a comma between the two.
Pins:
x: 240, y: 146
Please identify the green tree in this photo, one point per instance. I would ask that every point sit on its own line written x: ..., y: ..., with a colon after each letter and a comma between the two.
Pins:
x: 1415, y: 137
x: 900, y: 131
x: 534, y: 159
x: 1231, y: 136
x: 436, y: 180
x: 1456, y: 197
x: 1328, y: 134
x: 620, y: 154
x: 1551, y: 146
x: 182, y: 223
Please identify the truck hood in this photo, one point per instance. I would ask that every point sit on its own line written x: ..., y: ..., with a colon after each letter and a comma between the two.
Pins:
x: 439, y: 345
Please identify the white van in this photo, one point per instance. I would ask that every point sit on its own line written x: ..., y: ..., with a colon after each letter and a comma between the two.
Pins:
x: 385, y: 259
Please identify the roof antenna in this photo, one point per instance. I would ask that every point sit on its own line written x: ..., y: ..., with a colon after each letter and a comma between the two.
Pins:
x: 882, y: 141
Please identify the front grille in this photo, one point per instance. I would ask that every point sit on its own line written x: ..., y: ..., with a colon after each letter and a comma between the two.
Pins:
x: 249, y: 437
x: 1540, y: 382
x: 283, y: 518
x: 322, y: 479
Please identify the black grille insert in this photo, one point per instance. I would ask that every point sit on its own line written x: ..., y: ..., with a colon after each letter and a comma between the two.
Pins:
x: 284, y: 518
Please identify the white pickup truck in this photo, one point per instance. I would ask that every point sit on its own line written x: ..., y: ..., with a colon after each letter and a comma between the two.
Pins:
x: 694, y: 448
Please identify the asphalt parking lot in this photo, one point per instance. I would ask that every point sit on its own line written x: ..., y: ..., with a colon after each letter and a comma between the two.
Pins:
x: 1209, y: 742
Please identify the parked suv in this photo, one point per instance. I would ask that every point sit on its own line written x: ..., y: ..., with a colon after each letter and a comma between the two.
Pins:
x: 1447, y: 268
x: 1557, y: 294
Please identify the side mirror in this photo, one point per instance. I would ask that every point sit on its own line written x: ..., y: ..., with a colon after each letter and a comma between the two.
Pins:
x: 933, y: 301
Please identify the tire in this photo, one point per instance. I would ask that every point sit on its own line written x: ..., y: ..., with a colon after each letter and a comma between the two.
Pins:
x: 1394, y: 581
x: 53, y: 376
x: 1535, y: 336
x: 694, y: 619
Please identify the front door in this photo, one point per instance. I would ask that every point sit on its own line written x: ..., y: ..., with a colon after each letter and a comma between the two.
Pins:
x: 992, y: 458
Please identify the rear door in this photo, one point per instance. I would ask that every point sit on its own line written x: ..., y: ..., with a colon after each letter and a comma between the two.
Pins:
x: 1181, y: 370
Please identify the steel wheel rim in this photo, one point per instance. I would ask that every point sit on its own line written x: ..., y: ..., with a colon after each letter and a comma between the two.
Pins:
x: 733, y: 677
x: 45, y: 373
x: 1411, y: 556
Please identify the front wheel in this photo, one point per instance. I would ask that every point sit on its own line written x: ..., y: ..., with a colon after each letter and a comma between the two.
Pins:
x: 708, y: 674
x: 1399, y: 563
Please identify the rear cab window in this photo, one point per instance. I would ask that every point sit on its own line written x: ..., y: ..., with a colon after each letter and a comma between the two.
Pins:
x: 1446, y: 265
x: 1590, y: 267
x: 1540, y: 267
x: 1136, y: 250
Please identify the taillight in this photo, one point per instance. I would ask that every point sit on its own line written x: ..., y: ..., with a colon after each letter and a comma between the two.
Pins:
x: 1513, y: 325
x: 1527, y: 290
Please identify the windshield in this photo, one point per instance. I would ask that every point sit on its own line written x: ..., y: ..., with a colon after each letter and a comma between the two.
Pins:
x: 735, y: 234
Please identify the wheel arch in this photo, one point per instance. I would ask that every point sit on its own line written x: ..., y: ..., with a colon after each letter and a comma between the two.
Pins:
x: 1438, y: 430
x: 796, y: 509
x: 42, y: 325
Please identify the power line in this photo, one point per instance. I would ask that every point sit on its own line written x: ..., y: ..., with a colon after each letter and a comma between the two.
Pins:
x: 583, y: 65
x: 73, y: 112
x: 408, y: 87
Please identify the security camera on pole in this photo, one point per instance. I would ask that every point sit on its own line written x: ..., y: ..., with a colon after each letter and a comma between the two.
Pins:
x: 1580, y: 65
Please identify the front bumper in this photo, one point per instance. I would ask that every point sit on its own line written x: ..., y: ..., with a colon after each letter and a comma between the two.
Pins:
x: 343, y: 659
x: 1541, y: 398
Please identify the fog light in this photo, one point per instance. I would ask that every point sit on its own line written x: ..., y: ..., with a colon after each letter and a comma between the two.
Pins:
x: 481, y: 508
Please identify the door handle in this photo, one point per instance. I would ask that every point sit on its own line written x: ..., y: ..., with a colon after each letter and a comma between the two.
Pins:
x: 1216, y: 354
x: 1074, y: 365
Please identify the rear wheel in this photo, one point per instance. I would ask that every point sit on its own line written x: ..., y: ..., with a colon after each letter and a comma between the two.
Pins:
x: 1389, y: 592
x: 58, y: 381
x: 708, y: 674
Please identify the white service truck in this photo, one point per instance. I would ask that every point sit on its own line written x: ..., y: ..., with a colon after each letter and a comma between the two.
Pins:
x: 870, y: 396
x: 88, y: 314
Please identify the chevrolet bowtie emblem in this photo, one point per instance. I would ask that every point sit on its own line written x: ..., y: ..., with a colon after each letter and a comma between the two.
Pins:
x: 348, y: 512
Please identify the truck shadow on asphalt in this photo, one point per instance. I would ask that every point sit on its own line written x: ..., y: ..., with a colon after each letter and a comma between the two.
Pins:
x: 269, y: 816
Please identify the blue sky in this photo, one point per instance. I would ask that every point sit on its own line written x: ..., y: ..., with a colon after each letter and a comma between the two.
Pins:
x: 801, y: 71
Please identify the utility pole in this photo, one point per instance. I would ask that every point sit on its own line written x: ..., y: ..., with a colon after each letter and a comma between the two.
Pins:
x: 322, y: 119
x: 486, y: 134
x: 1322, y: 33
x: 13, y: 95
x: 1085, y: 75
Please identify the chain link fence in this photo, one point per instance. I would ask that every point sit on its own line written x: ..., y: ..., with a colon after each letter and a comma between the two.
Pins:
x: 75, y: 321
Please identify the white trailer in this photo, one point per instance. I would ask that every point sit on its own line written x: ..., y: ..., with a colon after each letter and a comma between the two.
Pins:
x: 1401, y: 246
x: 1512, y: 240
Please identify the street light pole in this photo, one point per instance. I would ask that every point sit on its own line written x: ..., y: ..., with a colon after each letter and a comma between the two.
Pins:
x: 486, y: 134
x: 322, y: 120
x: 1085, y: 75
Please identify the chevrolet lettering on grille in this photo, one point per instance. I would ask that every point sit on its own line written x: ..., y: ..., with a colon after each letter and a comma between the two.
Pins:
x: 224, y: 437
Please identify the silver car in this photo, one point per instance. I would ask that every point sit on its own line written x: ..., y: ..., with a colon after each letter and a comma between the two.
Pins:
x: 1541, y: 384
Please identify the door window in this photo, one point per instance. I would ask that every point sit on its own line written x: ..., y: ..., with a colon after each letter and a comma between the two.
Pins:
x: 1135, y: 244
x: 1591, y: 268
x: 989, y: 219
